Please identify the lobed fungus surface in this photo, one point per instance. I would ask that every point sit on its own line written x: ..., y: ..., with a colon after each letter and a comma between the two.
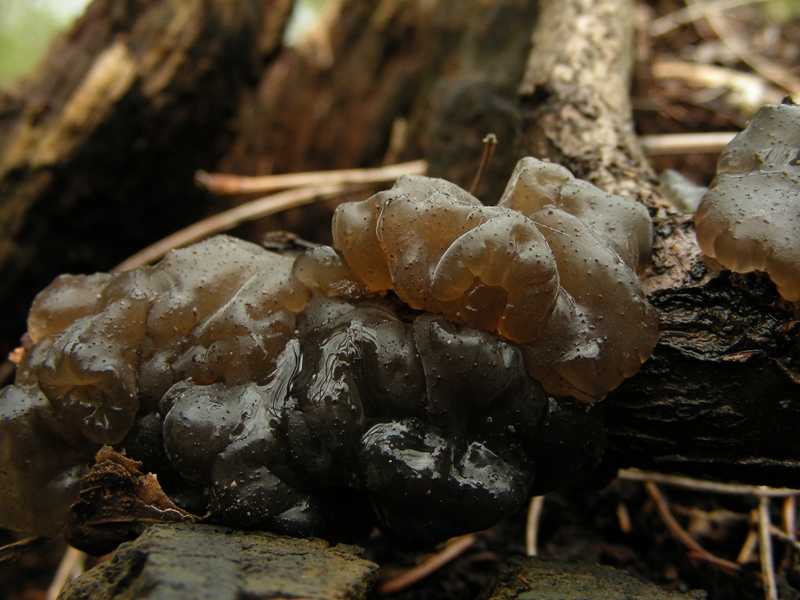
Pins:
x: 749, y: 220
x: 551, y: 268
x: 428, y: 373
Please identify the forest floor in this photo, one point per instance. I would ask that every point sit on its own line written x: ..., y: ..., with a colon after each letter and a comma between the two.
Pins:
x: 694, y: 73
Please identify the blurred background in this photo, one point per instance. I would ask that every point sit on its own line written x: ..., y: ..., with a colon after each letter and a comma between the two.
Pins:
x: 28, y: 26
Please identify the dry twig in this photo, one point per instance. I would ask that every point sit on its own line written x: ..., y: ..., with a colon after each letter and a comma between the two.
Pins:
x: 72, y: 565
x: 678, y: 531
x: 789, y: 514
x: 326, y: 184
x: 705, y: 486
x: 752, y: 89
x: 11, y: 552
x: 489, y: 144
x: 685, y: 143
x: 454, y: 548
x: 624, y: 518
x: 224, y: 184
x: 532, y: 525
x: 750, y: 541
x: 765, y: 550
x: 764, y: 530
x: 229, y: 219
x: 691, y: 13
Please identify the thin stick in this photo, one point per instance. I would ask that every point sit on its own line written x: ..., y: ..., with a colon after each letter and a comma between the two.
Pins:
x: 783, y: 536
x: 532, y: 525
x: 229, y: 219
x: 724, y: 565
x: 489, y: 144
x: 789, y: 514
x: 750, y: 542
x: 765, y: 550
x: 70, y: 567
x: 11, y: 552
x: 779, y: 533
x: 705, y: 486
x: 223, y: 183
x: 683, y: 143
x: 454, y: 548
x: 679, y: 532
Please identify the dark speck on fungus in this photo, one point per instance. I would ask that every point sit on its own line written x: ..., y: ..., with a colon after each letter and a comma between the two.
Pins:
x: 288, y: 395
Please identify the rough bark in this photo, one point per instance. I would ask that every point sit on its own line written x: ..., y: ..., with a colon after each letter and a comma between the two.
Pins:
x: 575, y: 95
x: 720, y: 397
x: 98, y: 147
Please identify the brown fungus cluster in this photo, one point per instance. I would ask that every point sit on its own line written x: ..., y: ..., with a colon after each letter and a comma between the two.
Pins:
x: 749, y: 220
x: 552, y: 267
x: 356, y: 384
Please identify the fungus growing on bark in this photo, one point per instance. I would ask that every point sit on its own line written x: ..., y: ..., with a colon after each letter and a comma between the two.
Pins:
x: 542, y: 269
x: 749, y: 220
x: 288, y: 394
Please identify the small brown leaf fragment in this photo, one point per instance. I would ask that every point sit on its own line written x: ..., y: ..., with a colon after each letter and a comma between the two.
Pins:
x: 116, y: 503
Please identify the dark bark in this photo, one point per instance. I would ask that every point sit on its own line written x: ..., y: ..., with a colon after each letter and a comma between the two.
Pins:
x: 720, y: 397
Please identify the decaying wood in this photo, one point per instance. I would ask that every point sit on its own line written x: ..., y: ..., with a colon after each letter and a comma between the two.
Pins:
x: 99, y: 146
x: 720, y: 397
x: 386, y: 81
x: 721, y: 394
x: 207, y: 562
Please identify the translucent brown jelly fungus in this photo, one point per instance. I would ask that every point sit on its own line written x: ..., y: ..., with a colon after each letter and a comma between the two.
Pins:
x: 550, y: 280
x: 260, y: 418
x: 64, y: 301
x: 324, y: 268
x: 602, y: 328
x: 440, y: 250
x: 38, y: 472
x: 220, y: 310
x: 289, y: 395
x: 749, y: 220
x: 411, y: 414
x: 624, y: 224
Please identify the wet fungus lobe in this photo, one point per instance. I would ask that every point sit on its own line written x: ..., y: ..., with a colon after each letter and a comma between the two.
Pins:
x: 105, y: 349
x: 293, y: 395
x: 552, y: 267
x: 749, y: 220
